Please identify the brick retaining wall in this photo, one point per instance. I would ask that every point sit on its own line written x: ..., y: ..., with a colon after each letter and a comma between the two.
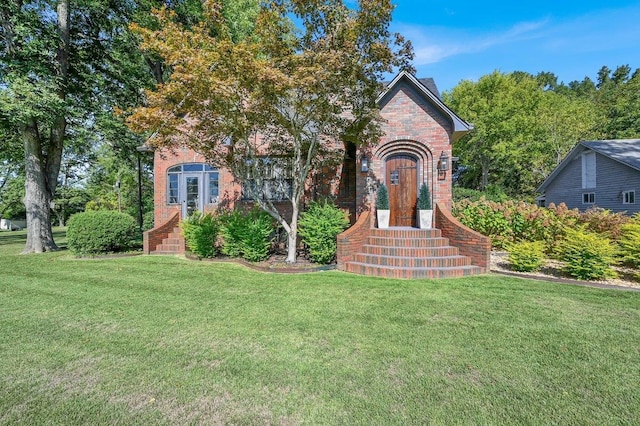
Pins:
x: 152, y: 238
x: 469, y: 242
x: 351, y: 241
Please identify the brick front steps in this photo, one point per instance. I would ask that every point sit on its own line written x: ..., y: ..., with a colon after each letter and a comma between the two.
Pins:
x: 173, y: 244
x: 409, y: 253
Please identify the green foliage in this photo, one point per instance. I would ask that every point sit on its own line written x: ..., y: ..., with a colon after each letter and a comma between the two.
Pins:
x: 98, y: 232
x: 588, y: 255
x: 319, y: 226
x: 382, y: 200
x: 527, y: 256
x: 148, y: 221
x: 247, y: 234
x: 424, y: 198
x: 200, y: 233
x: 511, y: 221
x: 524, y: 126
x: 491, y: 193
x: 629, y: 244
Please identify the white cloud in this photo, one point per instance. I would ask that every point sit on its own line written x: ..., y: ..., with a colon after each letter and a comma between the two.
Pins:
x: 433, y: 44
x: 589, y: 32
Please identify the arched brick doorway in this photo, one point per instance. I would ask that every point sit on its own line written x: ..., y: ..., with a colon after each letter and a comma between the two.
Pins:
x: 402, y: 182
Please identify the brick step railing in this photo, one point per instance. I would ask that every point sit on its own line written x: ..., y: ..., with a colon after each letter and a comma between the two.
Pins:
x: 409, y: 253
x: 173, y: 243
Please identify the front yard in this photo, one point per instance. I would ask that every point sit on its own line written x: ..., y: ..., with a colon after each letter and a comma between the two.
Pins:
x: 154, y: 339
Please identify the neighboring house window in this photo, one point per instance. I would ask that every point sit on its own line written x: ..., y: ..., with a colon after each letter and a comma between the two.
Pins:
x: 589, y: 198
x: 589, y: 170
x: 178, y: 182
x: 629, y: 197
x: 268, y: 178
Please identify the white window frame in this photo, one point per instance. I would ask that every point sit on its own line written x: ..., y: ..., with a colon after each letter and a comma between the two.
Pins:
x: 629, y: 197
x: 204, y: 173
x: 589, y: 196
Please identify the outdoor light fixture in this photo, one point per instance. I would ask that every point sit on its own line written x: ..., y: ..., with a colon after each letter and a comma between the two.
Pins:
x: 365, y: 164
x: 443, y: 165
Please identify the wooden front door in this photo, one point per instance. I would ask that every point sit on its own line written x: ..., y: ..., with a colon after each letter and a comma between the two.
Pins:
x: 402, y: 182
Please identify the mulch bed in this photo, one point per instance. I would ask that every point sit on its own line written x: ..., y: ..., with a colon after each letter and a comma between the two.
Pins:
x: 552, y: 272
x: 275, y: 263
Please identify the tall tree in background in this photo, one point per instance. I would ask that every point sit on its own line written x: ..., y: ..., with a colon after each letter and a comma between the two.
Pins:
x: 524, y: 126
x: 59, y: 67
x: 285, y: 93
x: 618, y: 99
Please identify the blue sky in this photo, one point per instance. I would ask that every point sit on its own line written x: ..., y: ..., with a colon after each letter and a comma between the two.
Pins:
x: 464, y: 40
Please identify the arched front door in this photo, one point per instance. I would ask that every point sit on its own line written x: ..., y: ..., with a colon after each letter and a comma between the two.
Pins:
x: 402, y: 182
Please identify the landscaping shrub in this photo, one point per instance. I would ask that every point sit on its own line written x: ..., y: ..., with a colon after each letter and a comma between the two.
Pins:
x: 629, y: 244
x: 588, y: 255
x: 527, y: 256
x: 604, y: 222
x: 247, y: 234
x: 200, y: 233
x: 102, y: 231
x: 319, y: 227
x: 511, y: 221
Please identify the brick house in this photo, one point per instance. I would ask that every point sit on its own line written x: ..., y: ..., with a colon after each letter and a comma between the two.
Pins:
x: 419, y: 130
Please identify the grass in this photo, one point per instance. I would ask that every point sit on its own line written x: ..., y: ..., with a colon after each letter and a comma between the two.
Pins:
x: 163, y: 340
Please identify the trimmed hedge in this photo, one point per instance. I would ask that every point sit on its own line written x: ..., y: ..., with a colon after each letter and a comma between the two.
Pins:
x: 102, y: 231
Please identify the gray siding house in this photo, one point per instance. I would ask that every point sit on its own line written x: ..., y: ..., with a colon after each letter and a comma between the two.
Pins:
x: 603, y: 173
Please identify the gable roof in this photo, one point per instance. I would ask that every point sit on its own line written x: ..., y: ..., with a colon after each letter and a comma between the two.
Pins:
x: 624, y: 151
x: 427, y: 88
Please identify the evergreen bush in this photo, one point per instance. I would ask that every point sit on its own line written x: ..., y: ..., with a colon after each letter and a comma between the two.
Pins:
x: 382, y: 200
x: 247, y: 234
x: 588, y: 256
x: 200, y: 233
x: 319, y: 227
x: 101, y: 231
x: 629, y: 244
x: 527, y: 256
x: 424, y: 198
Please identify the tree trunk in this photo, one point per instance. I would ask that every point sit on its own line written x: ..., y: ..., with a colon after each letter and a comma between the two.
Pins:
x: 42, y: 164
x: 37, y: 198
x: 292, y: 235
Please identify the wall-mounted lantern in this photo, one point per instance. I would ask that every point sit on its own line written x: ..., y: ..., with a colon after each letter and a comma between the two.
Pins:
x: 364, y: 164
x: 443, y: 165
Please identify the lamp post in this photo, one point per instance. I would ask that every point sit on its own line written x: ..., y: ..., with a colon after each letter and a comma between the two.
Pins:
x: 141, y: 149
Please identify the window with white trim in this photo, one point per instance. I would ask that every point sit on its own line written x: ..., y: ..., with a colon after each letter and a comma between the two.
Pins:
x: 589, y: 198
x: 628, y: 197
x: 176, y: 187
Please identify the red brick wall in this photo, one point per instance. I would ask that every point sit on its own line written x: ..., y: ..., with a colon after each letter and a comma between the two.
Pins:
x: 163, y: 160
x: 412, y: 126
x: 152, y: 238
x: 351, y: 241
x: 469, y: 242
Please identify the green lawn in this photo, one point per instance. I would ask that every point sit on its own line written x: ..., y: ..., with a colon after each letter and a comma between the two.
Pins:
x: 163, y: 340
